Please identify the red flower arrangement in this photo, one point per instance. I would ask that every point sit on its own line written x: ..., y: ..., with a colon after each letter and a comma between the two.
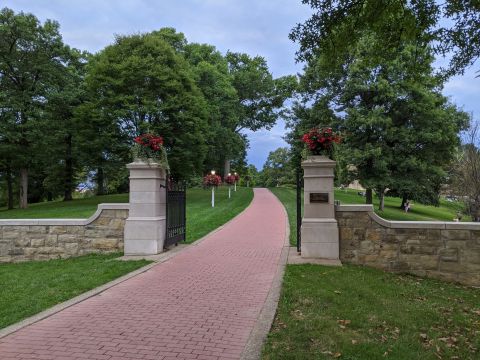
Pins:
x: 150, y: 141
x: 230, y: 179
x: 321, y: 141
x: 150, y: 147
x: 212, y: 180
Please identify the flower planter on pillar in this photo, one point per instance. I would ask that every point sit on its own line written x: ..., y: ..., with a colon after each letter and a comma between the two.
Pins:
x: 146, y: 223
x: 319, y: 227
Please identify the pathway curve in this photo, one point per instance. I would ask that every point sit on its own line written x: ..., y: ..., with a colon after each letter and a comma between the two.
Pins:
x: 202, y: 304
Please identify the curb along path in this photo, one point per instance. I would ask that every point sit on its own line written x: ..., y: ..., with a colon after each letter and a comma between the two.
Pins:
x: 201, y: 304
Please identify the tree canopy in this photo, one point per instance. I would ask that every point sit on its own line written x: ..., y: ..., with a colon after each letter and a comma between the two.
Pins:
x: 68, y: 117
x: 452, y: 27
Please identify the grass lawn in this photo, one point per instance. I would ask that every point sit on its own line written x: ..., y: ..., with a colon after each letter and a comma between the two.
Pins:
x: 447, y: 211
x: 288, y: 197
x: 353, y: 312
x: 30, y: 287
x: 201, y: 217
x: 75, y: 209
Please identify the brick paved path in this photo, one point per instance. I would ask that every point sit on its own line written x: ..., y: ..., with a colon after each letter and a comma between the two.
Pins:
x: 201, y: 304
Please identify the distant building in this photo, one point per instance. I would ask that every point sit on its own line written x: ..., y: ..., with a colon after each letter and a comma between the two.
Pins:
x: 356, y: 185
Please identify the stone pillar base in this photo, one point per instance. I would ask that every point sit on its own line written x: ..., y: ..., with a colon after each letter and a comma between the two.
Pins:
x: 145, y: 236
x: 320, y: 238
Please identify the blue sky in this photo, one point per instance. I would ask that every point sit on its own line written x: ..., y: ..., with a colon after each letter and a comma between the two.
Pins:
x: 252, y: 26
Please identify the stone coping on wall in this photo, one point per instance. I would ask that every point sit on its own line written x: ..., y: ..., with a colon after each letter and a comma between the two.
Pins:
x: 448, y: 225
x: 66, y: 222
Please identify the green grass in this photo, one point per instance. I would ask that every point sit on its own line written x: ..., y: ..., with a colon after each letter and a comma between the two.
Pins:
x: 201, y: 217
x: 447, y: 211
x: 288, y: 198
x: 353, y: 312
x: 78, y: 208
x: 30, y: 287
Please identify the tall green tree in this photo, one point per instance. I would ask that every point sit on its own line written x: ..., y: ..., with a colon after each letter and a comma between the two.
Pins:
x: 261, y: 97
x: 215, y: 82
x: 31, y: 63
x: 400, y: 132
x: 278, y: 170
x: 61, y: 129
x: 452, y: 27
x: 141, y: 84
x: 241, y: 94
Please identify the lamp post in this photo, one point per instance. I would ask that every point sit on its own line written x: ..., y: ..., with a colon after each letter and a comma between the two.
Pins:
x: 229, y: 187
x: 236, y: 175
x: 213, y: 190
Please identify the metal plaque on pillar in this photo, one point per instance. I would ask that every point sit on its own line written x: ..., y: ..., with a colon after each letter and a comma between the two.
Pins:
x: 318, y: 198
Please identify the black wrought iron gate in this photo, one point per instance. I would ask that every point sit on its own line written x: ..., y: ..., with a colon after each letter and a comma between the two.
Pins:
x: 299, y: 208
x: 176, y: 198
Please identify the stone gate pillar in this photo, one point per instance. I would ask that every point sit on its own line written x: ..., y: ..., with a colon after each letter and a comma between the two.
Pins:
x: 319, y: 228
x: 146, y: 223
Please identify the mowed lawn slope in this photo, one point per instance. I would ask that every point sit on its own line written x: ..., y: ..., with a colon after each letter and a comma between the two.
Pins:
x: 75, y: 209
x: 201, y: 217
x: 30, y: 287
x: 447, y: 211
x: 353, y: 312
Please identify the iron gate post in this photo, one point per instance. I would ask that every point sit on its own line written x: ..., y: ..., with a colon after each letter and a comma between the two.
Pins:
x: 299, y: 210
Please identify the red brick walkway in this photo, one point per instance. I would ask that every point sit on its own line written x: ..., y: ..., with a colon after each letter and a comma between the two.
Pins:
x: 201, y: 304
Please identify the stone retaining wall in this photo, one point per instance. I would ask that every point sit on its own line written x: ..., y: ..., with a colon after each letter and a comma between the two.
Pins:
x: 443, y: 250
x: 44, y: 239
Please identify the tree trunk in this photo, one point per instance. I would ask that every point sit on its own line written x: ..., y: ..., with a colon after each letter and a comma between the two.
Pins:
x: 100, y: 182
x: 226, y: 168
x: 23, y: 188
x: 404, y: 201
x: 369, y: 196
x: 9, y: 189
x: 381, y: 196
x: 68, y: 180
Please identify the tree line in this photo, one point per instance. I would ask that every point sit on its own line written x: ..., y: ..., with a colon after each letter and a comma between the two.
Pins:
x: 369, y: 73
x: 68, y: 117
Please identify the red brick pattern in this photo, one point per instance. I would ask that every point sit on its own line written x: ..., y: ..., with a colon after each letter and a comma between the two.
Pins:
x: 201, y: 304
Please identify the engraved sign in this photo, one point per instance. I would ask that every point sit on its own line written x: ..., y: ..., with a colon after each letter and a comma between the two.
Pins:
x: 318, y: 197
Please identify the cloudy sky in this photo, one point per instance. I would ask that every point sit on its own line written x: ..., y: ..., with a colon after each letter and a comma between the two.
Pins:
x: 252, y: 26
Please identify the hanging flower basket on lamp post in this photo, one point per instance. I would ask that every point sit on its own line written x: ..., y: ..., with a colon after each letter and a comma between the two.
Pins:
x: 230, y: 180
x: 212, y: 181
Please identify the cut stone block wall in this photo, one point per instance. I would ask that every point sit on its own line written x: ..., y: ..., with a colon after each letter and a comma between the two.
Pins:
x: 44, y: 239
x: 442, y: 250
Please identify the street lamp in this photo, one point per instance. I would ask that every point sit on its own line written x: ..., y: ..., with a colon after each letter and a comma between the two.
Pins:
x: 213, y: 190
x: 229, y: 187
x: 236, y: 175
